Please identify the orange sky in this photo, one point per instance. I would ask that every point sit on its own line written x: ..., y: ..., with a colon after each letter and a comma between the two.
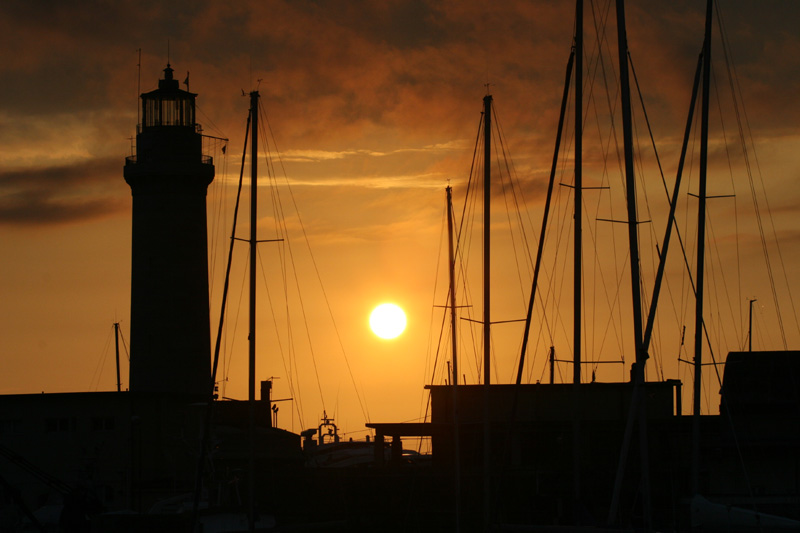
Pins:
x: 375, y: 106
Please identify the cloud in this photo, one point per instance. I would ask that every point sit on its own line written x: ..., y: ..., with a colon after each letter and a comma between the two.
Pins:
x: 421, y: 181
x: 57, y: 194
x: 324, y: 155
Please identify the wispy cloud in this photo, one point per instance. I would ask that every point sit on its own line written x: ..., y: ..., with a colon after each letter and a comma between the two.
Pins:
x: 323, y: 155
x: 416, y: 181
x: 65, y: 193
x: 420, y: 181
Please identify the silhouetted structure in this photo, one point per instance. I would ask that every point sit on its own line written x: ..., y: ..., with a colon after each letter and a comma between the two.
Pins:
x: 169, y: 176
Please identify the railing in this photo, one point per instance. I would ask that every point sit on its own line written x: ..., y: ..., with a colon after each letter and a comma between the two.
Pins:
x: 197, y: 127
x: 204, y: 160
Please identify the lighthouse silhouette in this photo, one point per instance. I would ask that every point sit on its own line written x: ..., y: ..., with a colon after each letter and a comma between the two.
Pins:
x: 169, y: 178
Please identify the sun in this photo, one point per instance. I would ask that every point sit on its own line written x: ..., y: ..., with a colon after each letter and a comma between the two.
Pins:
x: 387, y: 321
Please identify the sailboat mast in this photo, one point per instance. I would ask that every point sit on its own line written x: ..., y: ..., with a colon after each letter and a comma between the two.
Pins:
x: 638, y: 402
x: 576, y: 289
x: 454, y: 379
x: 487, y: 175
x: 452, y: 257
x: 701, y: 237
x: 487, y: 325
x: 576, y: 325
x: 630, y: 186
x: 252, y: 322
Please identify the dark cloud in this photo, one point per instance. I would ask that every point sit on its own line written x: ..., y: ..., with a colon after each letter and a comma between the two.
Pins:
x: 57, y: 194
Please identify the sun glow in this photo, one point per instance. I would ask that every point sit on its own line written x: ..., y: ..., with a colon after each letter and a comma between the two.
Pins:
x: 387, y: 321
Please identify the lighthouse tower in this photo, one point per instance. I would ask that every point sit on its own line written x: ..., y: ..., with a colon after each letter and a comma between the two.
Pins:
x: 169, y: 177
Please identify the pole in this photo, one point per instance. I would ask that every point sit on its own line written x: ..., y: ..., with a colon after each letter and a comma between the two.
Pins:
x: 576, y: 288
x: 252, y: 323
x: 749, y: 330
x: 449, y: 191
x: 487, y: 174
x: 453, y: 331
x: 701, y: 236
x: 576, y: 325
x: 639, y: 399
x: 116, y: 344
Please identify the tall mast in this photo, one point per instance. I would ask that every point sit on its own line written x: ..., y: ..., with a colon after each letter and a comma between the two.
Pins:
x: 454, y: 378
x: 252, y: 325
x: 630, y: 186
x: 701, y: 237
x: 487, y: 325
x: 576, y: 324
x: 452, y: 256
x: 576, y: 364
x: 638, y: 402
x: 487, y: 175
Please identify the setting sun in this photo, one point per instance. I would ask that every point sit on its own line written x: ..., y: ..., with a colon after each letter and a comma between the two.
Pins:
x: 387, y: 321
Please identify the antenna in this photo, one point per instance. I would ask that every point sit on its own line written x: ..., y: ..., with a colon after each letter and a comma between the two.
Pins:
x: 139, y: 88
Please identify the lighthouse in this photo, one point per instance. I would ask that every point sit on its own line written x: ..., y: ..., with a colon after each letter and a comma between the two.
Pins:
x: 169, y: 178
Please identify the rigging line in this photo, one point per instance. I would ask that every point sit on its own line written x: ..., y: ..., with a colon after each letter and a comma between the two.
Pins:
x: 465, y: 230
x: 508, y: 220
x: 462, y: 278
x: 542, y: 235
x: 556, y: 290
x: 544, y: 316
x: 563, y: 242
x: 430, y: 327
x: 470, y: 185
x: 215, y: 194
x: 438, y: 351
x: 611, y: 105
x: 226, y: 283
x: 737, y: 333
x: 521, y: 205
x: 732, y: 67
x: 596, y: 263
x: 731, y: 77
x: 124, y: 346
x: 219, y: 222
x: 662, y: 255
x: 466, y: 302
x: 651, y: 351
x: 613, y: 305
x: 291, y: 350
x: 229, y: 350
x: 733, y: 184
x: 209, y: 408
x: 362, y: 404
x: 281, y: 229
x: 98, y: 372
x: 596, y: 267
x: 210, y: 122
x: 726, y: 144
x: 563, y: 238
x: 600, y: 38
